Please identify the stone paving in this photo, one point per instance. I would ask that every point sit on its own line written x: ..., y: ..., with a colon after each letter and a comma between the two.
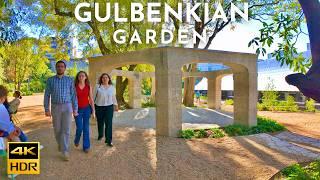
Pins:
x: 293, y: 137
x: 282, y: 145
x: 191, y: 118
x: 206, y: 118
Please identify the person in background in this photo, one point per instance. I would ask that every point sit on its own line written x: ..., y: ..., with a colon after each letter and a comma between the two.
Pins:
x: 9, y: 130
x: 198, y: 96
x: 60, y: 89
x: 7, y: 105
x: 14, y: 104
x: 105, y: 104
x: 85, y: 108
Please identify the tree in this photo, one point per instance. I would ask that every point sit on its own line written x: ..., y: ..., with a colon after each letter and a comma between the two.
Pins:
x: 61, y: 13
x: 309, y: 83
x: 287, y: 25
x: 22, y: 59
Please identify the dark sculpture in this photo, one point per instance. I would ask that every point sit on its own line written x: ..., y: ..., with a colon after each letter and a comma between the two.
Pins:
x: 309, y: 84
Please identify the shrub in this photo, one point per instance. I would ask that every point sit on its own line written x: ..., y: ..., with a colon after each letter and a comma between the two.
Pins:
x: 186, y: 134
x: 148, y: 103
x: 236, y: 130
x: 270, y: 99
x: 291, y: 104
x: 201, y: 133
x: 296, y: 171
x: 310, y: 105
x: 204, y: 97
x: 216, y: 133
x: 270, y: 103
x: 268, y: 125
x: 264, y: 125
x: 229, y: 102
x: 261, y: 107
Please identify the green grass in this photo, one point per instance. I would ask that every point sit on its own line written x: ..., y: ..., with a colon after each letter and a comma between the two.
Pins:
x: 297, y: 172
x: 265, y: 125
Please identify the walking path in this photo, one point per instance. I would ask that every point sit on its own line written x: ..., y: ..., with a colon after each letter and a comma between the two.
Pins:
x: 139, y: 154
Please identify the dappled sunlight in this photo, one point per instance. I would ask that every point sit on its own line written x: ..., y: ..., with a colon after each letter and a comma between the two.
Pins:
x: 138, y: 152
x: 220, y: 113
x: 199, y: 126
x: 142, y: 114
x: 193, y: 114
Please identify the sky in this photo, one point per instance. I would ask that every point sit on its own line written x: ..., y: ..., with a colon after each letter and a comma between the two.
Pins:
x: 237, y: 40
x: 228, y: 40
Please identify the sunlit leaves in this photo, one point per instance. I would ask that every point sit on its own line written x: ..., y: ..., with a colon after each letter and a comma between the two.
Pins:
x: 287, y: 28
x: 22, y: 59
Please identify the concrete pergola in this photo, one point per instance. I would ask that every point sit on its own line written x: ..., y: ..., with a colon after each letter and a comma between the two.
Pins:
x: 134, y: 85
x: 168, y: 62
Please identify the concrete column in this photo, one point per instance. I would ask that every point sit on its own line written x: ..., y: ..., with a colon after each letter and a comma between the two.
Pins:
x: 134, y: 88
x: 214, y: 92
x: 245, y: 98
x: 286, y: 94
x: 168, y: 99
x: 153, y: 89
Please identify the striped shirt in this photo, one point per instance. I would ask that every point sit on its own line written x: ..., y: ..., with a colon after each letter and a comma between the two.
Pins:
x: 61, y: 91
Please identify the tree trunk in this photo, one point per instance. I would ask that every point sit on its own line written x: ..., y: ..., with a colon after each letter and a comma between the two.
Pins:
x: 121, y: 86
x: 309, y: 84
x: 189, y: 82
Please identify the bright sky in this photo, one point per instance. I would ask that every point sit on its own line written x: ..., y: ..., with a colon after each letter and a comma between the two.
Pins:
x: 237, y: 40
x: 230, y: 40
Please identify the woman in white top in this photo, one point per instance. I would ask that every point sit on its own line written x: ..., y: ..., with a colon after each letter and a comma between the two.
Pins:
x: 105, y: 104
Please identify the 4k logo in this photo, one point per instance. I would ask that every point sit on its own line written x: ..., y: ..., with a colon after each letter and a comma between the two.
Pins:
x: 23, y: 151
x: 23, y: 158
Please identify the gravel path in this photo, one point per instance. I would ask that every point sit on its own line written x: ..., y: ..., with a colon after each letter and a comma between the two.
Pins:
x: 139, y: 154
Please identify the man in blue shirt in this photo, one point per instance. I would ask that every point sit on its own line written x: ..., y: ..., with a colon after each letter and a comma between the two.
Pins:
x: 60, y: 89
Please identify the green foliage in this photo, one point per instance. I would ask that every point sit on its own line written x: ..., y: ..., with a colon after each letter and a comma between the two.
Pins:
x: 270, y: 101
x: 146, y: 86
x: 23, y: 60
x: 216, y: 133
x: 264, y: 125
x: 286, y: 24
x: 204, y: 97
x: 186, y: 134
x: 229, y: 102
x: 148, y: 103
x: 310, y: 105
x: 269, y: 97
x: 73, y: 70
x: 201, y: 133
x: 268, y: 125
x: 236, y: 130
x: 289, y: 105
x: 297, y: 172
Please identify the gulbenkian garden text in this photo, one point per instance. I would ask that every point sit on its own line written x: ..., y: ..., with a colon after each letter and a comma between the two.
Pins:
x: 185, y: 12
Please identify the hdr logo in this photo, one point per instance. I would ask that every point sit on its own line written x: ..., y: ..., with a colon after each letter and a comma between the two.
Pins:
x: 23, y: 158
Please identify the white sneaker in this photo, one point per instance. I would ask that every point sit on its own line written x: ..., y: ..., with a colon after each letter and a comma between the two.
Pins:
x: 65, y: 156
x: 12, y: 175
